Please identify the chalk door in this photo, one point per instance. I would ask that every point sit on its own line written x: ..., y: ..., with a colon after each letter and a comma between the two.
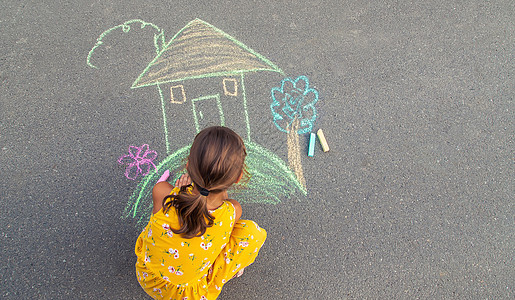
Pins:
x: 208, y: 111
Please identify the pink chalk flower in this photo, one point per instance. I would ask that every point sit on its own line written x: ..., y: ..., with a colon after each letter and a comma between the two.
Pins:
x: 139, y: 161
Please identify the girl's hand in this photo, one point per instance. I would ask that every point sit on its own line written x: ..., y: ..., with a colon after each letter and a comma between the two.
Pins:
x: 183, y: 181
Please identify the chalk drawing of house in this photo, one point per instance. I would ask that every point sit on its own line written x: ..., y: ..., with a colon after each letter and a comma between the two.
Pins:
x: 203, y: 52
x: 202, y: 69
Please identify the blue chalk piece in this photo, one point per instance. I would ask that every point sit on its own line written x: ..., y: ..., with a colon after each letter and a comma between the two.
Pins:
x: 311, y: 150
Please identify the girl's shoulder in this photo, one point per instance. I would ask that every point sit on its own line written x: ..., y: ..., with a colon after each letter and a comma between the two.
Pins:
x: 159, y: 192
x: 229, y: 207
x: 237, y: 208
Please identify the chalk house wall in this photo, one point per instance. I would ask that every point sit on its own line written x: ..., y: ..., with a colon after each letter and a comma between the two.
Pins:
x: 208, y: 102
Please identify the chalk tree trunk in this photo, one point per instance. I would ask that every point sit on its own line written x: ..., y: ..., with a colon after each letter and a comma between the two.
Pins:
x: 294, y: 158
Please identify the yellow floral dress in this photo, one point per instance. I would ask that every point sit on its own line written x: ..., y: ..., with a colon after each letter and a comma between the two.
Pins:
x: 172, y: 267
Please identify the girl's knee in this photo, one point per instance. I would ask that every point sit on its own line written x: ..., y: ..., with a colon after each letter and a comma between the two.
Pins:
x: 248, y: 228
x: 260, y: 232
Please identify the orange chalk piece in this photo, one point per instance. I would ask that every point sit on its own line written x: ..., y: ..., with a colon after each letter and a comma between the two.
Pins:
x: 322, y: 140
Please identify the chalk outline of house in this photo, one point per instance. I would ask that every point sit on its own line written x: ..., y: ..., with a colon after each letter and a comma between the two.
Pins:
x: 185, y: 38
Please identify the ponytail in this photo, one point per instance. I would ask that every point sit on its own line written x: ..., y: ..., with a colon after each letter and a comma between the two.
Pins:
x: 215, y: 163
x: 192, y: 212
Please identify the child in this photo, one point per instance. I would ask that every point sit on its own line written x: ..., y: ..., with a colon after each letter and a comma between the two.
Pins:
x: 195, y: 241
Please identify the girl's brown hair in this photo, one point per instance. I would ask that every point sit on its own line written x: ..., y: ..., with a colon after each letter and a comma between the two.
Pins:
x: 216, y: 161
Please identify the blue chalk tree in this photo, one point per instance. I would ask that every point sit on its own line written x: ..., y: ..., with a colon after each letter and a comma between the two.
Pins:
x: 293, y: 110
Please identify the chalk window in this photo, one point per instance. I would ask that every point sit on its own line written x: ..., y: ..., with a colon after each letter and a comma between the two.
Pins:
x: 177, y: 94
x: 230, y: 87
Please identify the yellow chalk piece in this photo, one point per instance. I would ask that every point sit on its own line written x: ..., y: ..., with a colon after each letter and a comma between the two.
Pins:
x: 322, y: 140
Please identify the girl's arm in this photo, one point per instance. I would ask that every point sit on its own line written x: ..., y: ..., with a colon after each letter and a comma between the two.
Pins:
x: 159, y: 192
x: 163, y: 189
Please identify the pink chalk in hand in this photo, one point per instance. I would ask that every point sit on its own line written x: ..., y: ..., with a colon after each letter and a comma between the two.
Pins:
x: 165, y: 176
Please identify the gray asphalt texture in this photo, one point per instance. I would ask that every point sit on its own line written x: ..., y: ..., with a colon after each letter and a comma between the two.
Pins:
x: 413, y: 201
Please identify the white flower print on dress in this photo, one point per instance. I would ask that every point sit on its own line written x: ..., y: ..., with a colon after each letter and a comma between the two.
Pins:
x: 149, y: 232
x: 175, y: 252
x: 179, y: 273
x: 147, y: 259
x: 171, y: 269
x: 167, y: 229
x: 208, y: 264
x: 244, y: 244
x: 237, y: 267
x: 205, y: 246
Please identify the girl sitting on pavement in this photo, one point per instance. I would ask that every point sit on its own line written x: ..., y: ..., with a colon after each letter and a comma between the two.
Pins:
x: 195, y: 241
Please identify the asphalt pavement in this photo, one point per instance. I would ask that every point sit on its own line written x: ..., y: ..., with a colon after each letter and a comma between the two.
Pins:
x: 414, y: 200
